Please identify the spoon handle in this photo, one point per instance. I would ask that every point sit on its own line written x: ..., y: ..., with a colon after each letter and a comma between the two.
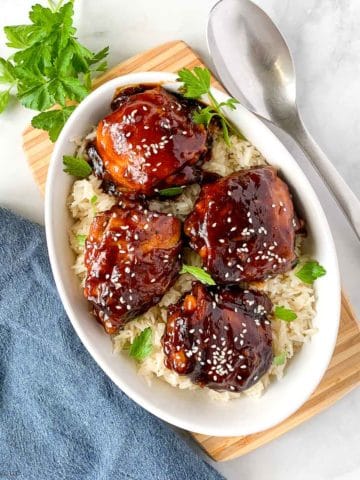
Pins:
x: 345, y: 197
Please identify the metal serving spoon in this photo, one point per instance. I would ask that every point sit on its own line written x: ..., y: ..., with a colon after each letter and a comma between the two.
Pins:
x: 254, y: 63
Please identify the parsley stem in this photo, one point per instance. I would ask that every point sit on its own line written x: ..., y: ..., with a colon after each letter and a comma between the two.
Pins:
x: 55, y: 7
x: 228, y: 124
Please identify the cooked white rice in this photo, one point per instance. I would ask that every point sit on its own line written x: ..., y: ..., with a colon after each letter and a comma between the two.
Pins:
x: 86, y: 199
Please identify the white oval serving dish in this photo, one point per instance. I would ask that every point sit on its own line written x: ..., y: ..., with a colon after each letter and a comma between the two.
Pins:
x: 194, y: 410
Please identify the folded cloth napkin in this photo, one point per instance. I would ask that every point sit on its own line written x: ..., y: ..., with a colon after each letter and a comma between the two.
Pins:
x: 61, y: 417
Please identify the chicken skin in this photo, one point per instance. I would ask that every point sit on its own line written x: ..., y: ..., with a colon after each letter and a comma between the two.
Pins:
x: 132, y: 258
x: 243, y: 226
x: 149, y: 142
x: 220, y: 337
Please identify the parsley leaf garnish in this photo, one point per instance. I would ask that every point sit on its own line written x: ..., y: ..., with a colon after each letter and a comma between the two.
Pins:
x: 171, y: 191
x: 7, y: 74
x: 142, y: 345
x: 197, y: 83
x: 285, y: 314
x: 52, y: 121
x: 310, y: 271
x: 198, y: 273
x: 81, y: 239
x: 4, y: 100
x: 93, y: 201
x: 50, y: 67
x: 76, y: 166
x: 279, y: 359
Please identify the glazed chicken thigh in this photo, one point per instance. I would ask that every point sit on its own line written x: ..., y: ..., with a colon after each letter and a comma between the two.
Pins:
x: 132, y: 258
x: 220, y: 337
x: 243, y: 226
x: 149, y: 142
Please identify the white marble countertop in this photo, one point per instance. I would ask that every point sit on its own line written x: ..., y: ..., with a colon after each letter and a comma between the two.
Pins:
x: 323, y: 35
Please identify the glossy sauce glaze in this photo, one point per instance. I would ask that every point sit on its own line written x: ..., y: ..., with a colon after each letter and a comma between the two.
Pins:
x: 149, y: 142
x: 243, y: 226
x: 220, y: 337
x: 132, y: 258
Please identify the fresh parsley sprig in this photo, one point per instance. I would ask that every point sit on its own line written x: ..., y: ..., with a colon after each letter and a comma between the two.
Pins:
x: 50, y: 67
x: 197, y: 83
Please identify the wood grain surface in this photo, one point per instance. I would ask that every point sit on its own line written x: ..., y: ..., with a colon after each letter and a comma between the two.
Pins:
x: 343, y: 373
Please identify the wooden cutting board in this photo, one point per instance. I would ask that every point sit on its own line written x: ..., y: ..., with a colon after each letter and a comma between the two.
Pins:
x: 343, y: 373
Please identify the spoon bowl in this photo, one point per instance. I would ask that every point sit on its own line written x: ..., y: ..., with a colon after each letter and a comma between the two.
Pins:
x: 264, y: 71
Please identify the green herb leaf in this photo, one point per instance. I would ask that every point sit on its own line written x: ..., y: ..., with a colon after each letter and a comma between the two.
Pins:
x: 52, y: 121
x: 285, y: 314
x: 171, y: 191
x: 35, y: 96
x: 22, y: 36
x: 142, y: 345
x: 50, y: 66
x: 93, y: 201
x: 204, y: 116
x: 4, y: 100
x: 81, y: 239
x: 98, y: 57
x: 78, y: 167
x: 310, y: 271
x: 7, y: 74
x: 196, y: 83
x: 101, y: 67
x: 198, y: 273
x: 87, y: 80
x: 43, y: 16
x: 231, y: 103
x: 37, y: 59
x: 279, y: 359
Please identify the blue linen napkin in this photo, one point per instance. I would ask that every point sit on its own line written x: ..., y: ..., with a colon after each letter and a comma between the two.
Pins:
x: 61, y: 417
